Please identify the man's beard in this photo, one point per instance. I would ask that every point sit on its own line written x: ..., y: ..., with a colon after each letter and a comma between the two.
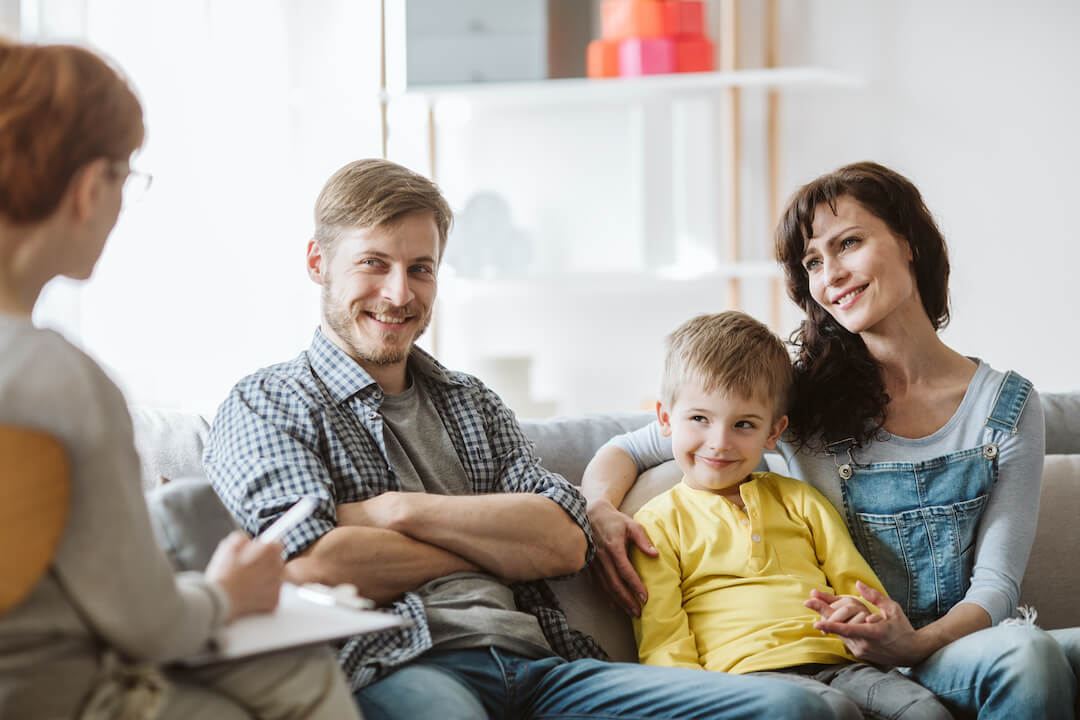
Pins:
x: 342, y: 321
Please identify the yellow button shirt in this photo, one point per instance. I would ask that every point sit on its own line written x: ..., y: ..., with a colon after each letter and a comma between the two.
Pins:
x: 727, y: 591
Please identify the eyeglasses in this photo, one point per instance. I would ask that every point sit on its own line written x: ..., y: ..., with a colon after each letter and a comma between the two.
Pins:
x: 135, y: 186
x: 136, y: 182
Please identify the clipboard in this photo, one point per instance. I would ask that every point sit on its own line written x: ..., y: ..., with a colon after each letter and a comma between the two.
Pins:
x: 296, y: 621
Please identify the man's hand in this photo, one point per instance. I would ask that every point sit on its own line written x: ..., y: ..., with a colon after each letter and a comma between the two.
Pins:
x: 890, y: 640
x: 611, y: 567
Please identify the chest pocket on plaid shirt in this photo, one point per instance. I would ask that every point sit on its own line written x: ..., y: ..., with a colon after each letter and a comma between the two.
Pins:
x: 480, y: 464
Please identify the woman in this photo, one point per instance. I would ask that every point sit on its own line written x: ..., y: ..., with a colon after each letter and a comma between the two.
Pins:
x: 91, y: 637
x: 933, y: 458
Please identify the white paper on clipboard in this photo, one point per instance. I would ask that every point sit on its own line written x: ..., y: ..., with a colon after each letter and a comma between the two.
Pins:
x: 295, y: 622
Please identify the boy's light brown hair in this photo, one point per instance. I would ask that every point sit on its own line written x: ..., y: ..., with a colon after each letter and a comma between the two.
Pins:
x: 728, y: 352
x: 372, y: 192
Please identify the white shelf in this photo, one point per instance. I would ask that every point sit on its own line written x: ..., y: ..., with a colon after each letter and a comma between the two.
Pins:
x: 622, y: 89
x: 608, y: 283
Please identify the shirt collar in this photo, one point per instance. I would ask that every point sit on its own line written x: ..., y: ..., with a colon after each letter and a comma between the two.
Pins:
x: 345, y: 378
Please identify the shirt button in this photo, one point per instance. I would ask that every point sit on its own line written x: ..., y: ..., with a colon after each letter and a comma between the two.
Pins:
x: 755, y: 537
x: 744, y: 521
x: 372, y: 415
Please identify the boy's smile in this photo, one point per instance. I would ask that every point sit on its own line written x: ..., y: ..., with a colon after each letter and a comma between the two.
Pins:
x: 719, y: 437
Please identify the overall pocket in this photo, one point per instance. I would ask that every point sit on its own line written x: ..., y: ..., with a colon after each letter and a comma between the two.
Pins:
x: 924, y: 557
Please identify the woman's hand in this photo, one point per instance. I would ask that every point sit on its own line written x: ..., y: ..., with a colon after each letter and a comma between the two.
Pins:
x: 250, y: 572
x: 885, y: 639
x: 612, y: 531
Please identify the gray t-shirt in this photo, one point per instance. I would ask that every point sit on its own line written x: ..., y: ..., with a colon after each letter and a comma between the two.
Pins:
x: 1007, y: 529
x: 464, y: 610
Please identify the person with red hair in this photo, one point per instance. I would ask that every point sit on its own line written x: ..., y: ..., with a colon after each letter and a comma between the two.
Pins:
x: 92, y: 637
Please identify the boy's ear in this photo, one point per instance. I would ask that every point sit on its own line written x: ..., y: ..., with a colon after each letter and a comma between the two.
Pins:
x: 664, y: 418
x: 778, y: 427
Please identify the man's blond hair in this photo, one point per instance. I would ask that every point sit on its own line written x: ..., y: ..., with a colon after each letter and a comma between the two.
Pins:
x: 728, y: 352
x: 373, y: 192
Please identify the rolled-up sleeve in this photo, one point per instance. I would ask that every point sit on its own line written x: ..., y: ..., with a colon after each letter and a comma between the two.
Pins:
x: 263, y: 455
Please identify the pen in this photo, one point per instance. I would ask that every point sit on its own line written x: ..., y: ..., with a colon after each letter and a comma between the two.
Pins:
x: 292, y: 517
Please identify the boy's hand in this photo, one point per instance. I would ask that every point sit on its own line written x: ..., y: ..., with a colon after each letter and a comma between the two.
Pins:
x: 612, y: 532
x: 840, y: 609
x: 887, y: 639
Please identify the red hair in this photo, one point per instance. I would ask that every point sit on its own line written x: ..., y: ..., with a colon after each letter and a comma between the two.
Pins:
x: 61, y: 107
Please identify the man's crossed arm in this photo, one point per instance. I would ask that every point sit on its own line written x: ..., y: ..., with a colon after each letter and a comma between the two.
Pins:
x: 395, y: 542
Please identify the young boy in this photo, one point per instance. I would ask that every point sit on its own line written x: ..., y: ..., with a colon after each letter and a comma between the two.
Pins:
x: 739, y: 550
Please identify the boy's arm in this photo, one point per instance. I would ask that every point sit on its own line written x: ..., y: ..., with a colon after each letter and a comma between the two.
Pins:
x: 662, y: 632
x: 837, y: 555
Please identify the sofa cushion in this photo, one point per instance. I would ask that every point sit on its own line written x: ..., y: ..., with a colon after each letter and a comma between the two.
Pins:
x: 1052, y: 583
x: 170, y: 444
x: 565, y: 445
x: 1062, y: 413
x: 586, y: 604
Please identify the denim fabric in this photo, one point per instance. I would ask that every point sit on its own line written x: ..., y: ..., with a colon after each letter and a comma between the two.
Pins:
x: 1005, y: 672
x: 858, y: 690
x: 1069, y: 640
x: 916, y: 522
x: 475, y: 684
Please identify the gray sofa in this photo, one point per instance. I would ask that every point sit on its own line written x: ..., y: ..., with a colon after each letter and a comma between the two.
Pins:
x: 189, y: 519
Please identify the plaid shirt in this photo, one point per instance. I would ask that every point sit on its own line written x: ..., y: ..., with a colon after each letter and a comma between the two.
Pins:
x: 312, y: 427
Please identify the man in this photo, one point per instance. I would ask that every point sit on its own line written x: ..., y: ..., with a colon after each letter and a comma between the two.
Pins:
x: 430, y: 498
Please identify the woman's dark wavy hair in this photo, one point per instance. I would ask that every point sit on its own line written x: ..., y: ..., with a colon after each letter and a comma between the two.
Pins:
x: 838, y: 391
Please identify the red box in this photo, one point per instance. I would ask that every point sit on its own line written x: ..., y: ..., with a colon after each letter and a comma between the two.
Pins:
x: 621, y: 19
x: 694, y: 54
x: 646, y: 56
x: 602, y: 59
x: 684, y: 17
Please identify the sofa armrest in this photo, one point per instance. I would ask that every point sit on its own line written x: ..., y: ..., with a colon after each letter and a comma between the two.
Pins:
x: 189, y: 520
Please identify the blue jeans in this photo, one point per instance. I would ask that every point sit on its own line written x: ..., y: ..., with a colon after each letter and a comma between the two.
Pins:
x: 488, y: 682
x: 1005, y: 673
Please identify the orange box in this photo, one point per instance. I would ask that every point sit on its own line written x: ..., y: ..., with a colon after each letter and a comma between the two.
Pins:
x: 684, y: 17
x: 621, y: 19
x: 694, y: 54
x: 602, y: 59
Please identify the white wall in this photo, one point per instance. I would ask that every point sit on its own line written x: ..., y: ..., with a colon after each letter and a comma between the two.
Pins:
x: 974, y: 101
x: 251, y: 105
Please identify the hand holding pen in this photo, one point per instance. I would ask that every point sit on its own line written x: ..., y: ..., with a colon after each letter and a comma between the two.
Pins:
x: 251, y: 571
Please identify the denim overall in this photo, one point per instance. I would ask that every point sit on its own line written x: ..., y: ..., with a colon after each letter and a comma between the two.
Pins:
x: 916, y: 522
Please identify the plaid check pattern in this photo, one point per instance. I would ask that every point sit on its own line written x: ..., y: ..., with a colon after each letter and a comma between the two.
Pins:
x: 312, y: 427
